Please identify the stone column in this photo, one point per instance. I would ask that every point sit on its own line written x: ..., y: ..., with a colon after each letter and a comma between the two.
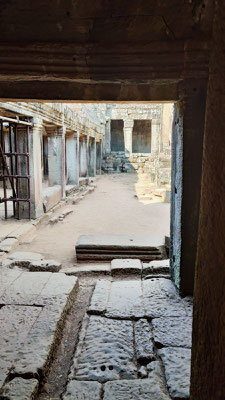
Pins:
x: 128, y: 129
x: 72, y: 158
x: 98, y: 157
x: 92, y: 157
x: 108, y: 137
x: 208, y: 361
x: 155, y: 139
x: 35, y: 143
x: 83, y: 156
x: 187, y: 138
x: 56, y: 158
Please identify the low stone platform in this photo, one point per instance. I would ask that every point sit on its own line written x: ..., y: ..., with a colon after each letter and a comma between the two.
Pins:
x: 135, y: 343
x: 108, y: 247
x: 32, y: 314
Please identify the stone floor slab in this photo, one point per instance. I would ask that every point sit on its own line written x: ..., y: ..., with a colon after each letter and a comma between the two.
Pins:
x: 172, y: 332
x: 177, y: 363
x: 100, y: 297
x: 8, y: 244
x: 20, y: 389
x: 26, y: 288
x: 161, y: 299
x: 83, y: 390
x: 125, y: 300
x: 156, y: 267
x: 22, y: 258
x: 126, y: 266
x: 15, y: 324
x: 88, y: 269
x: 138, y: 389
x: 143, y: 342
x: 107, y: 351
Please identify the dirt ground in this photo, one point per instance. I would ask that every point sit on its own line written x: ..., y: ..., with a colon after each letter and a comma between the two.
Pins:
x: 111, y: 208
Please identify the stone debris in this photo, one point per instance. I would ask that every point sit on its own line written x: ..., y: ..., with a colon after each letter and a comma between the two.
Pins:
x: 83, y: 390
x: 107, y: 352
x: 8, y: 244
x: 142, y: 372
x: 61, y: 217
x: 156, y: 267
x: 20, y: 389
x: 175, y: 331
x: 45, y: 265
x: 5, y: 367
x: 127, y: 266
x: 177, y: 364
x: 143, y: 342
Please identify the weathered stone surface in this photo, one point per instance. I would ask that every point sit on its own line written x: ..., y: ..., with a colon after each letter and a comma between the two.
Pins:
x: 8, y: 244
x: 32, y: 319
x: 20, y: 389
x: 188, y: 304
x: 45, y: 265
x: 22, y: 258
x: 177, y: 363
x: 125, y: 300
x: 26, y: 288
x: 172, y: 331
x: 142, y: 372
x: 161, y: 299
x: 156, y: 267
x: 126, y: 266
x: 107, y: 351
x: 15, y: 323
x: 88, y: 269
x: 119, y: 241
x: 100, y: 297
x: 152, y: 388
x: 143, y: 342
x: 83, y: 390
x: 5, y: 367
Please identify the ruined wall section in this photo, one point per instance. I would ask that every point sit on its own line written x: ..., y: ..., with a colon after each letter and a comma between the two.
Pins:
x: 157, y: 161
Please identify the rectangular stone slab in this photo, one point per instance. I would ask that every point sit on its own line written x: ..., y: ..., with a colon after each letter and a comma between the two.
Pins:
x: 161, y: 299
x: 81, y: 390
x: 125, y: 300
x: 21, y: 389
x: 140, y: 389
x: 127, y: 266
x: 175, y: 331
x: 107, y: 351
x: 119, y: 241
x: 177, y: 364
x: 143, y: 342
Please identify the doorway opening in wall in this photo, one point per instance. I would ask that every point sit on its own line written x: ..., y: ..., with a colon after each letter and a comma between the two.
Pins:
x: 120, y: 151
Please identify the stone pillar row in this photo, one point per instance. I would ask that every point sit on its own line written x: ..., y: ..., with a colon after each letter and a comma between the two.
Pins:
x: 71, y: 156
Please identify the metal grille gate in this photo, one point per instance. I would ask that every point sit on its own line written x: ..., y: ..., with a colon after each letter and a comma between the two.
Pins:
x: 11, y: 173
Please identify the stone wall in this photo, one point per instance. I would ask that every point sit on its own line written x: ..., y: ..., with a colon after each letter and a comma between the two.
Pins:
x: 156, y: 161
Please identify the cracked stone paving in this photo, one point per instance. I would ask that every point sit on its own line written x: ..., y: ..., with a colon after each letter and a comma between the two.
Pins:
x: 134, y: 337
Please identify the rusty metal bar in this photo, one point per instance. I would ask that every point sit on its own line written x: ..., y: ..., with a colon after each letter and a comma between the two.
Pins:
x: 15, y: 120
x: 28, y: 169
x: 12, y: 172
